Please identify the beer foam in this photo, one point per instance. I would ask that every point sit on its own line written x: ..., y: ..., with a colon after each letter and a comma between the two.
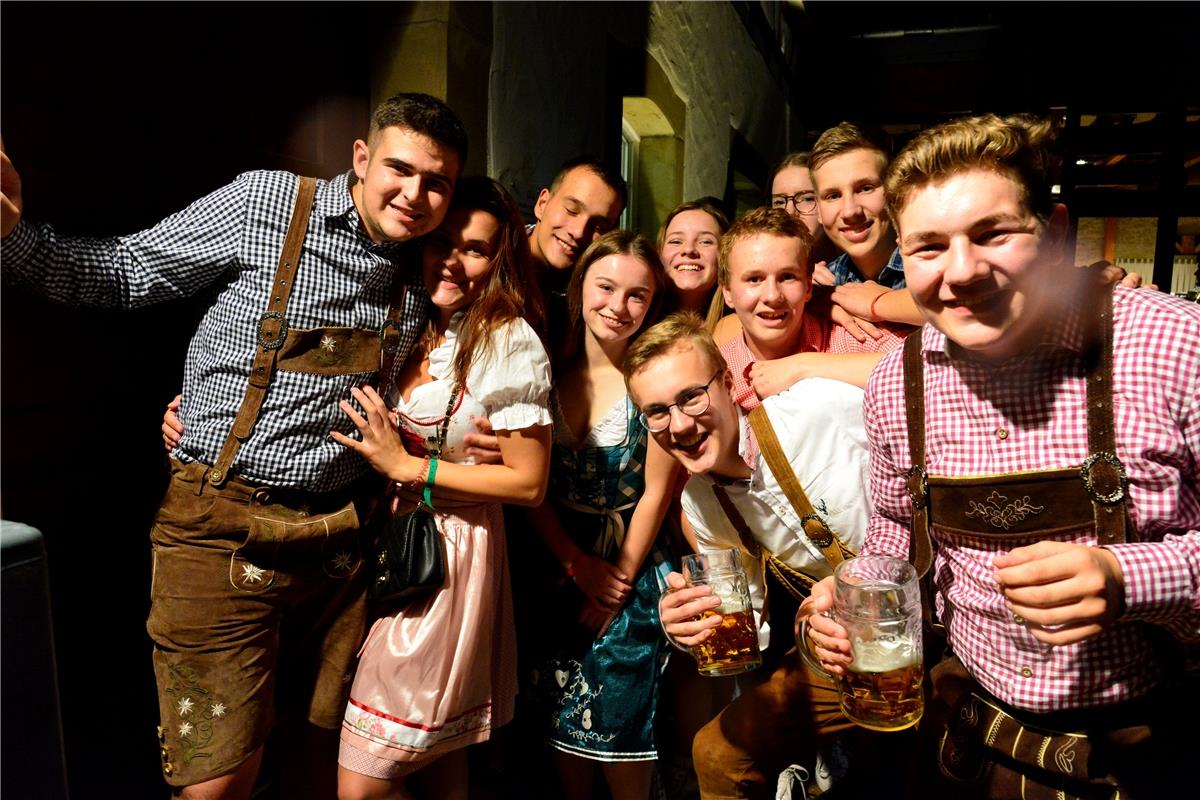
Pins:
x: 884, y: 654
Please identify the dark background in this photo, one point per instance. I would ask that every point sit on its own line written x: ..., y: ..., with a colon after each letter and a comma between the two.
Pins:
x: 117, y: 115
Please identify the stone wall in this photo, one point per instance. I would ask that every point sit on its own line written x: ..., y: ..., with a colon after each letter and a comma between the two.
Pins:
x: 559, y: 72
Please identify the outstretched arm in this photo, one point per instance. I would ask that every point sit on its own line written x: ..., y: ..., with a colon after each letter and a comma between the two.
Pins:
x: 871, y: 301
x: 176, y: 258
x: 11, y: 204
x: 772, y: 377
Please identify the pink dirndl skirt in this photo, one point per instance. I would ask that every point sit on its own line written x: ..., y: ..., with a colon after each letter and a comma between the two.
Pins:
x: 442, y: 672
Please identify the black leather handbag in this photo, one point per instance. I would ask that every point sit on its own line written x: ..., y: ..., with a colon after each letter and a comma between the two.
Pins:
x: 409, y: 559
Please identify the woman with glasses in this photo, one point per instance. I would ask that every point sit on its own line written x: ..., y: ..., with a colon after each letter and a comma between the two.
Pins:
x: 601, y: 648
x: 791, y: 188
x: 688, y: 242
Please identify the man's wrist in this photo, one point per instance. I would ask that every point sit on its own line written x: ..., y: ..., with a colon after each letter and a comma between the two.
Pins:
x: 874, y: 315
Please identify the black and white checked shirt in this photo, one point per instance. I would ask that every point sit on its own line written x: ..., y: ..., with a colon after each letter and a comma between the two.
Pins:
x: 234, y: 237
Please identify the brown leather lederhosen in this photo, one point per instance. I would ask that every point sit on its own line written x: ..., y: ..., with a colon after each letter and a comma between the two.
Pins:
x: 983, y: 744
x: 248, y: 577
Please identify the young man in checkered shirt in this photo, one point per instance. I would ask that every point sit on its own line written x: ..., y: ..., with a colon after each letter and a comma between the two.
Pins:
x: 258, y: 591
x: 1058, y: 625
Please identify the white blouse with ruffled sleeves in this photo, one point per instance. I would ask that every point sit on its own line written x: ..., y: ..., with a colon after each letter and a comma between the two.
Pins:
x: 508, y: 383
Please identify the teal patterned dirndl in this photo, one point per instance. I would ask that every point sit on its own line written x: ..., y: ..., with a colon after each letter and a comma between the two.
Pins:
x: 598, y: 696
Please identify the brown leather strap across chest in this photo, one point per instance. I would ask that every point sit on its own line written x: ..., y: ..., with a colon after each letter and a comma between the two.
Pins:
x: 834, y: 551
x: 320, y: 351
x: 1026, y: 505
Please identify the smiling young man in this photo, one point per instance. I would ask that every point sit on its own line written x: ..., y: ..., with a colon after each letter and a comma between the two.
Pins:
x: 678, y: 379
x: 847, y: 166
x: 765, y: 275
x: 582, y: 203
x: 1036, y: 447
x: 257, y: 535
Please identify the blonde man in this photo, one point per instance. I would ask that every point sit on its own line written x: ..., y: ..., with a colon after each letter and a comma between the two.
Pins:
x: 1068, y: 424
x: 679, y: 381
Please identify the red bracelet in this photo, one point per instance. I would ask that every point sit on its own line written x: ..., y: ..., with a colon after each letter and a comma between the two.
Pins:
x: 570, y: 568
x: 416, y: 484
x: 874, y: 316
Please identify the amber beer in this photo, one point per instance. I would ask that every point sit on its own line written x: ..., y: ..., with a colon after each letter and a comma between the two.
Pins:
x: 878, y: 601
x: 732, y: 648
x: 881, y: 689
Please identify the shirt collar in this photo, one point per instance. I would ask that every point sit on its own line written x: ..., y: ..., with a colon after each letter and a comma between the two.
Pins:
x: 891, y: 276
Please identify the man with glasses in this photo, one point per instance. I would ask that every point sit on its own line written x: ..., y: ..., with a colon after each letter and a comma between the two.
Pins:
x: 678, y: 378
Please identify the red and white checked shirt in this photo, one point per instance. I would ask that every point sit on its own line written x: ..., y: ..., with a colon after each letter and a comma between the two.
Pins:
x: 1028, y: 413
x: 817, y: 335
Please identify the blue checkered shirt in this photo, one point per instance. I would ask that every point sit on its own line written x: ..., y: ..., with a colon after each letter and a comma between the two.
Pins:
x: 891, y: 276
x: 233, y: 237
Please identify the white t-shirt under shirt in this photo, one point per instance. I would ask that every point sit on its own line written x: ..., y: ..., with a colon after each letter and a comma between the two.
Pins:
x: 820, y: 427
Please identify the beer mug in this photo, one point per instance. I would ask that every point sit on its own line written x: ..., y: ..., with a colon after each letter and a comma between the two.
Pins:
x: 733, y: 646
x: 878, y: 601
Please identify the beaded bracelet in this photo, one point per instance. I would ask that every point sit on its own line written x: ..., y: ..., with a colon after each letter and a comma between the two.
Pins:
x: 416, y: 483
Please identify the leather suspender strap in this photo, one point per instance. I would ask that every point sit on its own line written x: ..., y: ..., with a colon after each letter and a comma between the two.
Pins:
x: 1103, y: 474
x: 796, y: 582
x: 814, y: 527
x: 270, y: 334
x: 738, y: 521
x: 920, y: 546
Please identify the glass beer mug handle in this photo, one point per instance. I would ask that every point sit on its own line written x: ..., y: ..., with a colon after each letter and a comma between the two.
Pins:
x: 663, y: 626
x: 802, y: 644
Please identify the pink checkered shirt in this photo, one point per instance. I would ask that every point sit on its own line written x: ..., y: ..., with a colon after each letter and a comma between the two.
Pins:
x: 1028, y: 413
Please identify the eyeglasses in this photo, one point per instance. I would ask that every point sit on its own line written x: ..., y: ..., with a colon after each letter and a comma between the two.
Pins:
x: 692, y: 402
x: 805, y: 202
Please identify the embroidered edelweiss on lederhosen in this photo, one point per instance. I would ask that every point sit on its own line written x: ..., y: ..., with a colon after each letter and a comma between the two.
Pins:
x: 197, y: 712
x: 343, y: 562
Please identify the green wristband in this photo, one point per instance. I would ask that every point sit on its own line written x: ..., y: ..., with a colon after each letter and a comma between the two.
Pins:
x: 429, y: 482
